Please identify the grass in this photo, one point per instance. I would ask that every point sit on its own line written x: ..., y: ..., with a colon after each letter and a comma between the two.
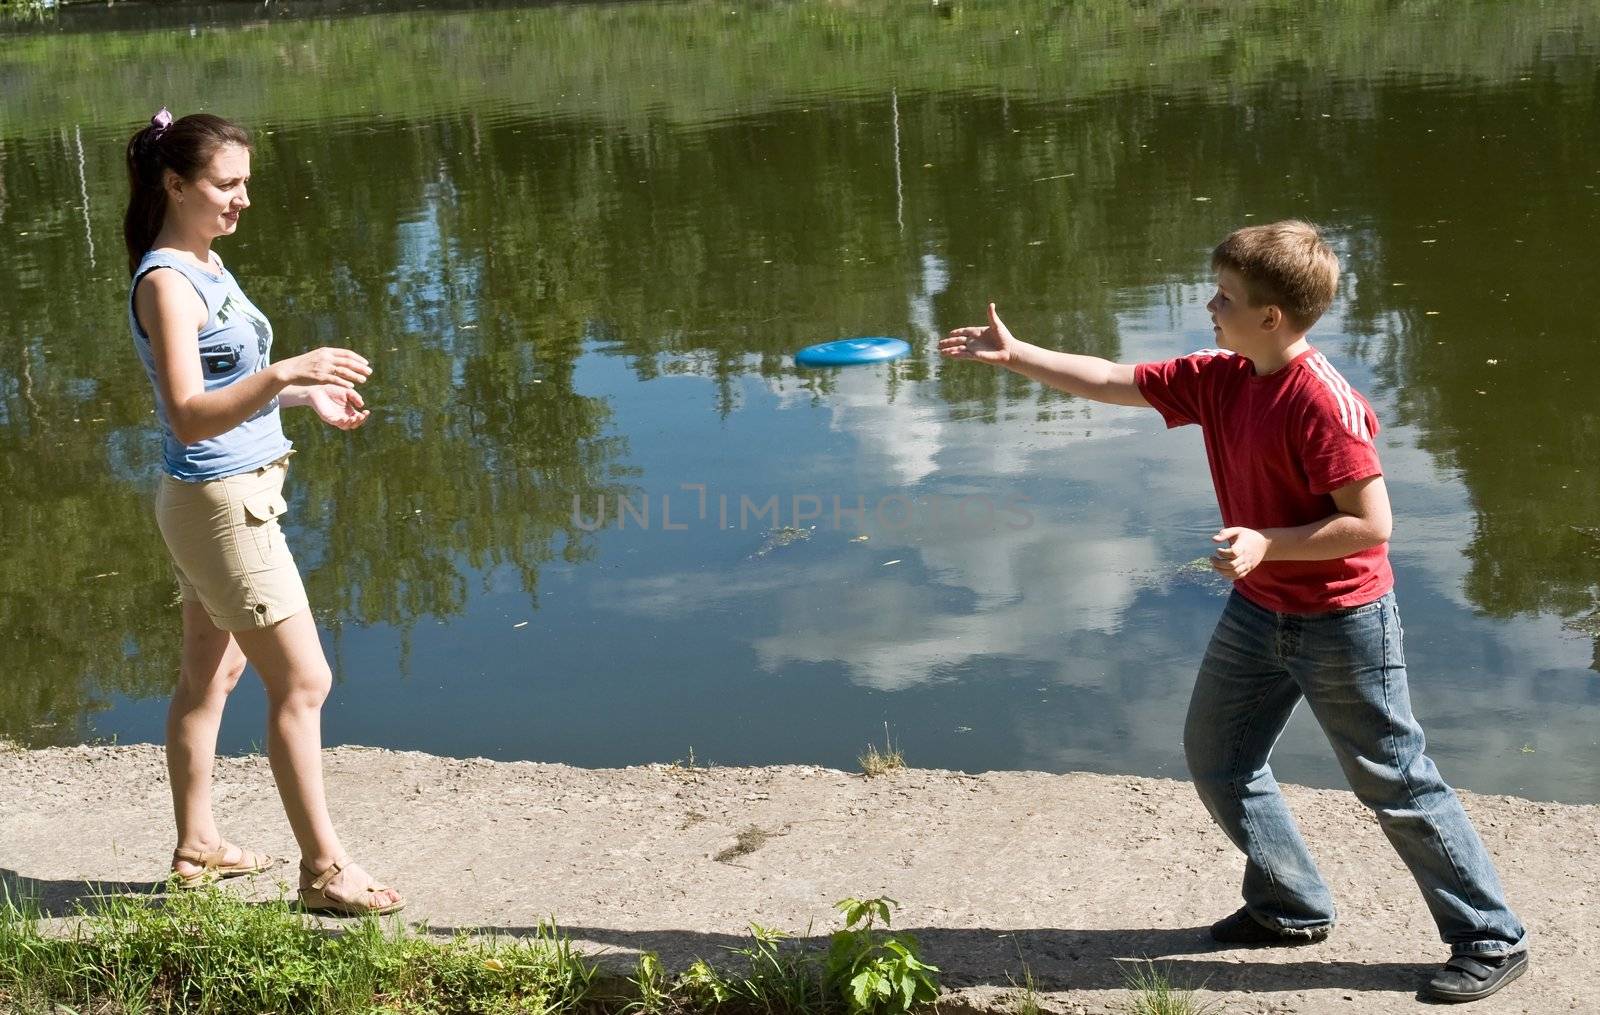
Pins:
x: 1025, y: 995
x: 775, y: 980
x: 211, y: 952
x: 875, y: 762
x: 1153, y: 993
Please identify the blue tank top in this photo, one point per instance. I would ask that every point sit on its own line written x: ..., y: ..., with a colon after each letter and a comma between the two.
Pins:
x: 235, y: 342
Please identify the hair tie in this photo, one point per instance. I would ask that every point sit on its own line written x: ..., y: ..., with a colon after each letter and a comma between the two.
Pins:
x: 159, y: 123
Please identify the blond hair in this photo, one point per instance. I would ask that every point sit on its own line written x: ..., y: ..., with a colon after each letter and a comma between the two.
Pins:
x: 1284, y: 264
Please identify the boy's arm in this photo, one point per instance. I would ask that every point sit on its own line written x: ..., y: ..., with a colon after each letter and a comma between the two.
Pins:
x: 1362, y: 522
x: 1086, y: 376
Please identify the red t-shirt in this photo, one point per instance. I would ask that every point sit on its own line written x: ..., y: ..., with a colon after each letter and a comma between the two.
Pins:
x: 1278, y: 445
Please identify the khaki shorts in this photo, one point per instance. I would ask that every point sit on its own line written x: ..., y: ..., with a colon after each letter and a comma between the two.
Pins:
x: 228, y: 548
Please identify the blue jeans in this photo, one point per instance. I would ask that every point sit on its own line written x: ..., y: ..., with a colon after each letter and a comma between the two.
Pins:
x: 1349, y: 667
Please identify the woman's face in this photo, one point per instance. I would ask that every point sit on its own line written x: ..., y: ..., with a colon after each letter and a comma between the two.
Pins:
x: 210, y: 204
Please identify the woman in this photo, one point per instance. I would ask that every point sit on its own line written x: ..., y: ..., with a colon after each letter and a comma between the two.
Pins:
x: 206, y: 350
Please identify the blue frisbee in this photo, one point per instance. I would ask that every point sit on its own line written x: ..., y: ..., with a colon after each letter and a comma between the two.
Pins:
x: 851, y: 351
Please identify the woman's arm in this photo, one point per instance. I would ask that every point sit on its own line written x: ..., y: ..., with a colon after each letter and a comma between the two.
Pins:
x: 172, y: 314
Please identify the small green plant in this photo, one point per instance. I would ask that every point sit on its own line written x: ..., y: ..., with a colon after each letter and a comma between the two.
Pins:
x: 1024, y: 995
x: 776, y: 980
x: 688, y: 766
x: 702, y: 987
x: 654, y: 990
x: 874, y: 971
x: 1153, y: 993
x: 875, y: 762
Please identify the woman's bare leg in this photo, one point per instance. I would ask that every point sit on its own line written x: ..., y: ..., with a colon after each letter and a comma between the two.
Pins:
x: 289, y: 658
x: 210, y: 666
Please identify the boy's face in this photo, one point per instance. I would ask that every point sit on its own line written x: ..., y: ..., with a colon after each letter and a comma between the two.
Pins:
x: 1237, y: 325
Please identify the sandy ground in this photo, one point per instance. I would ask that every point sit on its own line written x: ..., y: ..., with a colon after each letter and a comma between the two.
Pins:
x: 1069, y: 874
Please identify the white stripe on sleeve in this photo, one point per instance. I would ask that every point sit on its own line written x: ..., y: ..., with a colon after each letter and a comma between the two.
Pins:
x: 1351, y: 411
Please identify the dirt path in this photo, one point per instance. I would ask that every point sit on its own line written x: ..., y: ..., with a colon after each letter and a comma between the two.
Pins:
x: 1066, y: 873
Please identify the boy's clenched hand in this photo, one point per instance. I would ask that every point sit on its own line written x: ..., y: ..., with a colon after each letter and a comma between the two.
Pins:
x: 992, y: 344
x: 1235, y: 560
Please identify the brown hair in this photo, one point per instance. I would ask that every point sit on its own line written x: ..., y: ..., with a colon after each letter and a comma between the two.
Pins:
x: 1283, y: 264
x: 184, y: 146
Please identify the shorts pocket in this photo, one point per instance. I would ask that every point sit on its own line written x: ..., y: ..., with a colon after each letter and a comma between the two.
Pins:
x: 261, y: 514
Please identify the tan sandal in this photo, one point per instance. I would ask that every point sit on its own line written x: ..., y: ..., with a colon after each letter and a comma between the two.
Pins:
x: 214, y: 866
x: 315, y: 900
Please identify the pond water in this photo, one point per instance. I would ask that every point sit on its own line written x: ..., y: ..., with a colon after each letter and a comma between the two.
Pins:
x: 580, y: 244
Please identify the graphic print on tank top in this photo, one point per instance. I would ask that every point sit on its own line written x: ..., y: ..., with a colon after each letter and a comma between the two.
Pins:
x: 224, y: 358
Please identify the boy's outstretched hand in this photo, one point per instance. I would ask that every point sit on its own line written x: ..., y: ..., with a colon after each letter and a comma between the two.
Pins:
x: 992, y: 344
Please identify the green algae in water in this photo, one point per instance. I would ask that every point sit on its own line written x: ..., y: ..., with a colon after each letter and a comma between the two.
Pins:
x: 779, y: 538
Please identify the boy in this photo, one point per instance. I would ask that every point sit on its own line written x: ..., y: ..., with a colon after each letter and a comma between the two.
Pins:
x: 1305, y: 530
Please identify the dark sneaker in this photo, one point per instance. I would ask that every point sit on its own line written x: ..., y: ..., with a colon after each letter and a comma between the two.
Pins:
x: 1469, y: 977
x: 1242, y: 929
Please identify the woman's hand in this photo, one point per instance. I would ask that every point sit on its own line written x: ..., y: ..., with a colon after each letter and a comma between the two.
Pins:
x: 337, y: 406
x: 992, y: 344
x: 327, y: 365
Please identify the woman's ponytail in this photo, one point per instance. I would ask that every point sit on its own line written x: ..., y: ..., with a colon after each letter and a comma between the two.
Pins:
x: 184, y: 146
x: 147, y: 197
